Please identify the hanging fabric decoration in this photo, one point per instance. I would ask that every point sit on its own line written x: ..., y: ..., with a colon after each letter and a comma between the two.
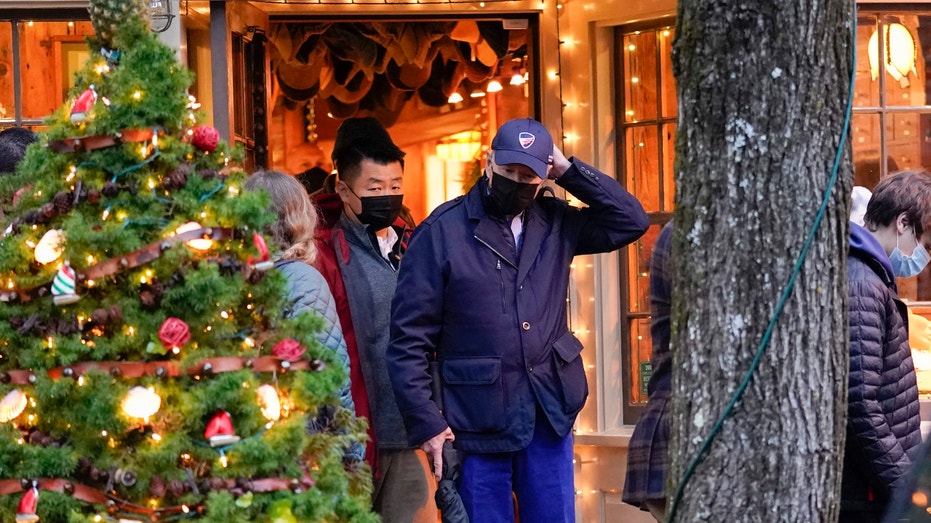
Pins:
x: 83, y: 105
x: 26, y: 510
x: 219, y: 431
x: 63, y: 286
x: 263, y: 263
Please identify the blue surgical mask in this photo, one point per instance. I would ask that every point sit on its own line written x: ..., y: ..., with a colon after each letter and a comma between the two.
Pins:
x: 907, y: 266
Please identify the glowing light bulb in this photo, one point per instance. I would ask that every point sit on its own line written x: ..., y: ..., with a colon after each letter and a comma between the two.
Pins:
x: 269, y: 403
x: 141, y: 402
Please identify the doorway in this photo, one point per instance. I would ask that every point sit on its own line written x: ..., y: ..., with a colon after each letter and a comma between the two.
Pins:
x: 440, y: 86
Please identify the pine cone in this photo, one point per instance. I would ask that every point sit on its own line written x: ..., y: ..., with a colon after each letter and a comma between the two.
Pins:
x: 157, y: 288
x: 84, y: 466
x: 157, y: 487
x: 208, y: 174
x: 62, y: 201
x: 47, y: 210
x: 111, y: 17
x: 256, y: 277
x: 111, y: 189
x: 100, y: 316
x: 116, y: 314
x: 176, y: 487
x: 177, y: 178
x: 93, y: 195
x: 31, y: 217
x: 148, y: 300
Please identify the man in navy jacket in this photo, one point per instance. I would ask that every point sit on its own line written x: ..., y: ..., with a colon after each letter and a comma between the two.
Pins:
x: 883, y: 435
x: 482, y: 290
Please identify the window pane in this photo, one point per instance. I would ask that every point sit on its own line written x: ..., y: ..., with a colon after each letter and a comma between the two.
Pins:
x: 640, y: 75
x: 669, y: 162
x: 902, y: 145
x: 667, y: 80
x: 642, y: 152
x: 903, y: 56
x: 866, y: 88
x: 640, y: 368
x: 50, y: 54
x: 6, y: 71
x: 866, y: 147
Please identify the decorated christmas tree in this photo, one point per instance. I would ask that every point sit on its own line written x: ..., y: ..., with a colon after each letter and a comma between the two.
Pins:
x: 147, y: 370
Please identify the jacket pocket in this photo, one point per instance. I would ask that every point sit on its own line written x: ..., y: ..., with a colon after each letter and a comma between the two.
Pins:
x: 473, y: 394
x: 567, y: 352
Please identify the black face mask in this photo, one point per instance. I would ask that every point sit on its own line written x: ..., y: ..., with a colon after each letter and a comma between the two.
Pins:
x: 380, y: 211
x: 510, y: 197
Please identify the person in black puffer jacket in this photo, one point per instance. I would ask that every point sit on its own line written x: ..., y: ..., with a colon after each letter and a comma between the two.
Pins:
x: 883, y: 436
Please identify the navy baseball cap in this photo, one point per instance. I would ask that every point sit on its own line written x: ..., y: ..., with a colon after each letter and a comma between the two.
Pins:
x: 524, y: 141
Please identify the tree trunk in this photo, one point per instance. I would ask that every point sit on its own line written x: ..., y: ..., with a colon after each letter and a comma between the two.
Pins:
x: 763, y: 90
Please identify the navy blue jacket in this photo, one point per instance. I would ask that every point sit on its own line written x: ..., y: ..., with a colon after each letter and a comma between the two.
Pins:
x: 495, y: 318
x: 883, y: 433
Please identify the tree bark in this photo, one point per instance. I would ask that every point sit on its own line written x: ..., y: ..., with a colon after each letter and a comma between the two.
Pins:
x: 763, y: 90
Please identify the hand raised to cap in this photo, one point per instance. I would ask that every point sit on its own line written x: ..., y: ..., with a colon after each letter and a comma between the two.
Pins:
x: 560, y: 164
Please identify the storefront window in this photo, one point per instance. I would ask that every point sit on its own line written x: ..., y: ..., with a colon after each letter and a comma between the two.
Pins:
x: 38, y: 59
x: 890, y: 131
x: 891, y: 126
x: 649, y: 129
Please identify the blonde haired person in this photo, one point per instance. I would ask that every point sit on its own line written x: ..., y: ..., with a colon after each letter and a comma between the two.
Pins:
x: 293, y: 233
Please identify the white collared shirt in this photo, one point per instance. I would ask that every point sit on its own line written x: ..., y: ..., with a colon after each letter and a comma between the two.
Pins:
x: 386, y: 244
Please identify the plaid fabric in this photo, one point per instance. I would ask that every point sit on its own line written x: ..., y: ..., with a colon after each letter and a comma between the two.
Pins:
x: 646, y: 454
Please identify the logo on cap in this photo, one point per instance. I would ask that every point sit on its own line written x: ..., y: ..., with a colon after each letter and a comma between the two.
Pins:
x: 526, y: 139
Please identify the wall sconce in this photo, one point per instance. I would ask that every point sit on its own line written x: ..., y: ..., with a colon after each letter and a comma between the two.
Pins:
x: 900, y: 52
x: 477, y: 93
x: 517, y: 78
x: 455, y: 98
x: 494, y: 86
x: 161, y: 15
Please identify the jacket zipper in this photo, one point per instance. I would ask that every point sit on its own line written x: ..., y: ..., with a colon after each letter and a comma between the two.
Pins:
x: 501, y: 279
x: 500, y: 273
x: 492, y: 249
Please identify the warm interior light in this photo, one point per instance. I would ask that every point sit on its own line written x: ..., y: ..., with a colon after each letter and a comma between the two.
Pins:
x: 459, y: 147
x: 477, y: 93
x: 517, y: 79
x: 455, y: 98
x: 49, y: 247
x: 197, y: 245
x: 899, y: 56
x: 268, y: 402
x: 494, y: 86
x: 141, y: 402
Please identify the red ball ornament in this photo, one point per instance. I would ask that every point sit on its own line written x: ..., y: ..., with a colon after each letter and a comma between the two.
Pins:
x: 288, y: 349
x: 206, y: 138
x: 174, y: 333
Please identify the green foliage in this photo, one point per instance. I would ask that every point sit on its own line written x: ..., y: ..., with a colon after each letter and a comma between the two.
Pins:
x: 119, y: 207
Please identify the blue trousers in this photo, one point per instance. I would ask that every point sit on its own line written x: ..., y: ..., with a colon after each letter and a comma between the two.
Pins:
x: 540, y: 475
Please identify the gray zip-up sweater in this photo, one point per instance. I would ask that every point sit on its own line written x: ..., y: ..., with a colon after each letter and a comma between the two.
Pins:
x: 370, y: 282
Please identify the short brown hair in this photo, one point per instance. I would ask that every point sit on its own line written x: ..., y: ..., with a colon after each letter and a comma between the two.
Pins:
x: 293, y: 232
x: 906, y: 192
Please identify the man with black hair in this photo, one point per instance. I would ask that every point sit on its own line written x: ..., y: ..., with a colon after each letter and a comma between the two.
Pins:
x: 13, y: 144
x: 361, y: 243
x: 312, y: 179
